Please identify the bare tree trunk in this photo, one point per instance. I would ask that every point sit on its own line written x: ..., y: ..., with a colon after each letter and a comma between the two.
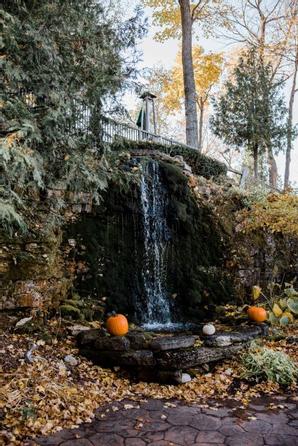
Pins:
x: 290, y: 123
x: 201, y: 122
x: 188, y: 75
x: 271, y: 160
x: 272, y: 168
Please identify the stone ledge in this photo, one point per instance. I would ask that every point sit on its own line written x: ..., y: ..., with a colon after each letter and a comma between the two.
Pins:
x: 222, y: 339
x: 162, y: 357
x: 193, y: 357
x: 172, y: 342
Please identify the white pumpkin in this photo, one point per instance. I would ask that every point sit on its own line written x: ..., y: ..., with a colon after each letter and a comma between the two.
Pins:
x: 208, y: 329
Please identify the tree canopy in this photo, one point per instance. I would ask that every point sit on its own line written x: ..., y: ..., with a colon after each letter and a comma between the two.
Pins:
x: 251, y: 111
x: 59, y: 59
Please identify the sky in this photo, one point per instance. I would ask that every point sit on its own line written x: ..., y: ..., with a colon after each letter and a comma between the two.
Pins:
x: 155, y: 53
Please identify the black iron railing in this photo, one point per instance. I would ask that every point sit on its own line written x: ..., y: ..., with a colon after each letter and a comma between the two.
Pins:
x: 113, y: 130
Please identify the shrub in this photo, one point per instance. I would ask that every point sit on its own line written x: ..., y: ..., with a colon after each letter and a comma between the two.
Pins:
x: 264, y: 363
x: 276, y: 213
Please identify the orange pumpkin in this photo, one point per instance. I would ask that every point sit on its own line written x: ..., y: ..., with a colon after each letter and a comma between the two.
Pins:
x: 257, y: 314
x: 117, y: 325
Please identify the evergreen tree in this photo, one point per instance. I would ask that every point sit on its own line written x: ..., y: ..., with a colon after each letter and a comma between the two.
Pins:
x: 251, y: 112
x: 59, y: 58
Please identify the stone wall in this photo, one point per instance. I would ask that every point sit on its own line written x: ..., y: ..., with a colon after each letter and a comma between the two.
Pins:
x: 34, y: 268
x: 211, y: 261
x: 257, y: 257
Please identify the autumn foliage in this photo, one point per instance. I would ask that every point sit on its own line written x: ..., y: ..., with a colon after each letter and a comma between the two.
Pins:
x: 278, y: 213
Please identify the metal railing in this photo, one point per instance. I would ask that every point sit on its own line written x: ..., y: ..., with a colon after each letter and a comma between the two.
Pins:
x: 113, y: 130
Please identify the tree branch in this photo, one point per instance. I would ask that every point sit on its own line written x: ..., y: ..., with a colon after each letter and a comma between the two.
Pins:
x: 198, y: 7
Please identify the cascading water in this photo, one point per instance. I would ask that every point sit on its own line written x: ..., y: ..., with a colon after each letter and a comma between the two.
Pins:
x: 157, y: 311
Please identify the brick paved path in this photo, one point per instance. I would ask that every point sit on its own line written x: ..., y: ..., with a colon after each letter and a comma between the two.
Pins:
x: 164, y: 423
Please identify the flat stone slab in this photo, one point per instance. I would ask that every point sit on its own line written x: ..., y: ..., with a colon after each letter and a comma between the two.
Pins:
x: 140, y: 340
x: 222, y: 339
x: 192, y: 357
x: 88, y: 338
x: 114, y: 343
x: 109, y: 358
x: 172, y: 342
x: 155, y: 423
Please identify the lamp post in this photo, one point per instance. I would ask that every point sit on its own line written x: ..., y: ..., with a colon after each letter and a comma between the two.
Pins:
x: 148, y: 99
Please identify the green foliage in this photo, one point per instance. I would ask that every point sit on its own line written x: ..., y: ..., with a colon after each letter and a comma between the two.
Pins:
x: 281, y: 301
x: 10, y: 218
x: 201, y: 164
x: 59, y: 59
x: 251, y: 112
x: 264, y: 363
x: 283, y: 305
x: 28, y: 412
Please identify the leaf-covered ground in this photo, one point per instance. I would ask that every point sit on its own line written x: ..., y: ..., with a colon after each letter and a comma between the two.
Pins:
x: 47, y: 395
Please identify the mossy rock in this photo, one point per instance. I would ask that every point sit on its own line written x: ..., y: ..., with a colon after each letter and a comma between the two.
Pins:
x: 30, y: 328
x: 69, y: 311
x: 113, y: 241
x: 200, y: 164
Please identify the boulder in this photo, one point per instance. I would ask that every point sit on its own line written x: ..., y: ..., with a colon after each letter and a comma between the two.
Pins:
x: 71, y: 360
x: 74, y: 330
x: 23, y: 322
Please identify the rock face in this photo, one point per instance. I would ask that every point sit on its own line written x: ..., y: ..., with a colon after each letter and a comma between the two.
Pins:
x: 112, y: 241
x: 31, y: 272
x: 99, y: 253
x: 35, y: 268
x: 163, y: 358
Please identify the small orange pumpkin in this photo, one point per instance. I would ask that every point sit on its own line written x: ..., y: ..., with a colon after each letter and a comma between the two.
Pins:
x: 117, y: 325
x: 257, y: 314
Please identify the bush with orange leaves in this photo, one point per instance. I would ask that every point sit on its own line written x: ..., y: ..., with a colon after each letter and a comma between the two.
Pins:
x: 277, y: 213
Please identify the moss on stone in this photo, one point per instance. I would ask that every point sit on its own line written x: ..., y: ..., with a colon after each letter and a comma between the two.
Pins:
x: 70, y: 311
x: 113, y: 250
x: 201, y: 164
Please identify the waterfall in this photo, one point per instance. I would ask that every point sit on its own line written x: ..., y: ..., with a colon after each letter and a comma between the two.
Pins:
x: 156, y: 234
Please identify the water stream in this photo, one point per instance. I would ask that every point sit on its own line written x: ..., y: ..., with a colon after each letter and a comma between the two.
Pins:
x: 156, y: 312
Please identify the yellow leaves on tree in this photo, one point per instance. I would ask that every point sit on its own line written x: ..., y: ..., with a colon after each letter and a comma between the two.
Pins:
x: 166, y: 16
x: 277, y: 213
x: 207, y: 70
